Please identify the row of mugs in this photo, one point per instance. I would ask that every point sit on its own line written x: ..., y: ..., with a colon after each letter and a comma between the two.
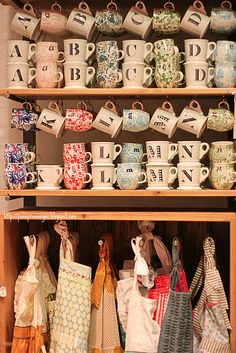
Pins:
x: 82, y: 22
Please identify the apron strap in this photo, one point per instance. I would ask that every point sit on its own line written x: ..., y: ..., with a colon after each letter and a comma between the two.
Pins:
x: 66, y: 248
x: 141, y: 267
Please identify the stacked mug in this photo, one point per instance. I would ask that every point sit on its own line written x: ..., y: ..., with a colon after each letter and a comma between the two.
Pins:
x: 103, y: 169
x: 76, y: 70
x: 198, y: 73
x: 130, y: 172
x: 222, y: 160
x: 76, y: 160
x: 225, y: 64
x: 17, y: 158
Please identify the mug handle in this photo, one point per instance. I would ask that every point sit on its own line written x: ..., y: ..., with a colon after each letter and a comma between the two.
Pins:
x: 179, y: 77
x: 144, y: 156
x: 141, y: 7
x: 204, y: 174
x: 211, y: 49
x: 56, y: 6
x: 137, y: 105
x: 144, y: 174
x: 121, y: 55
x: 111, y: 106
x: 62, y: 57
x: 115, y: 176
x: 194, y: 105
x: 32, y: 50
x: 33, y: 176
x: 119, y: 76
x: 169, y: 6
x: 204, y: 148
x: 199, y: 6
x: 89, y: 156
x: 234, y: 177
x: 27, y: 105
x: 147, y: 74
x: 173, y: 172
x: 83, y: 6
x: 117, y: 151
x: 32, y: 73
x: 148, y: 49
x: 210, y: 74
x: 173, y: 150
x: 89, y: 176
x: 181, y: 57
x: 60, y: 77
x: 226, y: 5
x: 223, y: 105
x: 29, y: 9
x: 31, y: 157
x: 112, y: 6
x: 60, y: 174
x: 54, y: 107
x: 168, y: 107
x: 89, y: 50
x: 90, y: 74
x: 82, y: 105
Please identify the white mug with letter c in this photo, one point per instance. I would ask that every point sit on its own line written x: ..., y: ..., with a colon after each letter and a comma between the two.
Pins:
x: 198, y: 49
x: 192, y: 151
x: 78, y: 49
x: 51, y: 120
x: 78, y: 74
x: 103, y: 176
x: 198, y: 74
x: 160, y: 175
x: 19, y: 75
x: 81, y: 21
x: 164, y: 120
x: 137, y: 50
x: 105, y: 152
x: 192, y: 119
x: 20, y: 51
x: 136, y: 74
x: 49, y: 176
x: 160, y: 151
x: 195, y: 20
x: 191, y: 175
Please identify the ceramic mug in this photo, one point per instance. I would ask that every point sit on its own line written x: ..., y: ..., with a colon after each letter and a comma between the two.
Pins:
x: 20, y: 51
x: 192, y: 119
x: 53, y: 20
x: 165, y: 48
x: 222, y: 175
x: 26, y: 23
x: 225, y: 51
x: 191, y: 175
x: 105, y: 152
x: 109, y: 77
x: 137, y: 50
x: 24, y: 118
x: 18, y: 153
x: 51, y: 120
x: 160, y: 151
x: 108, y: 121
x: 164, y: 120
x: 198, y: 74
x: 81, y: 21
x: 222, y: 151
x: 78, y: 49
x: 223, y: 19
x: 225, y: 74
x: 48, y: 75
x: 49, y: 176
x: 132, y: 153
x: 135, y: 119
x: 109, y: 20
x: 160, y: 175
x: 192, y: 151
x: 137, y: 20
x: 79, y: 119
x: 75, y: 176
x: 198, y: 49
x: 220, y: 119
x: 195, y: 20
x: 130, y: 176
x: 167, y: 75
x: 136, y: 74
x: 19, y: 75
x: 47, y: 52
x: 76, y: 153
x: 166, y: 20
x: 16, y: 176
x: 108, y: 55
x: 78, y: 74
x: 103, y: 176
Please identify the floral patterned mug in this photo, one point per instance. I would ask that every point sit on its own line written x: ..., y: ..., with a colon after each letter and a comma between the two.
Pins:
x: 166, y: 20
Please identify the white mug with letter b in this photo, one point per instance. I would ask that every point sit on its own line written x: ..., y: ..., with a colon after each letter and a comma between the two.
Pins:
x: 160, y: 151
x: 192, y: 119
x: 51, y: 120
x: 104, y: 176
x: 78, y: 74
x: 81, y: 21
x: 160, y: 175
x: 192, y: 151
x: 135, y: 74
x: 191, y: 175
x: 105, y: 152
x: 78, y: 49
x: 49, y: 176
x: 164, y: 120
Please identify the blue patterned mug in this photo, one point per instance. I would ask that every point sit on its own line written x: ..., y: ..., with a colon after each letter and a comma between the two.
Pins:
x: 18, y: 153
x: 135, y: 119
x: 109, y: 21
x: 129, y: 176
x: 225, y: 74
x: 223, y: 19
x: 132, y: 153
x: 24, y: 118
x: 16, y: 176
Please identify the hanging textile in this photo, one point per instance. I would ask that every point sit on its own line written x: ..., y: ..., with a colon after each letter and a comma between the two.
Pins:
x: 103, y: 332
x: 210, y: 320
x: 176, y: 331
x: 70, y: 325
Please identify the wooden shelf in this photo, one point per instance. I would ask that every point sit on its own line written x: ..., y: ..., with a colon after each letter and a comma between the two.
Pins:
x: 119, y: 92
x: 120, y: 193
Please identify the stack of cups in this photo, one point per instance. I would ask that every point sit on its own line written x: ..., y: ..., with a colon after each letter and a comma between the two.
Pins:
x: 160, y: 172
x: 76, y: 70
x: 130, y: 173
x: 48, y: 72
x: 136, y: 72
x: 198, y: 73
x: 222, y: 160
x: 108, y: 56
x: 103, y: 169
x: 225, y: 64
x: 75, y: 166
x: 17, y: 157
x: 167, y: 58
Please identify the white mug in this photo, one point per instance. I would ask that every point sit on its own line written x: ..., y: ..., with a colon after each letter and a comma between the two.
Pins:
x: 51, y: 120
x: 20, y: 51
x: 160, y: 175
x: 108, y: 121
x: 137, y: 20
x: 192, y: 119
x: 49, y: 176
x: 195, y: 20
x: 198, y: 74
x: 81, y: 21
x: 137, y: 50
x: 48, y: 75
x: 19, y: 75
x: 47, y: 52
x: 192, y: 151
x: 198, y: 49
x: 191, y: 175
x: 104, y: 176
x: 135, y: 74
x: 78, y: 49
x: 164, y: 120
x: 26, y: 23
x: 105, y: 152
x: 160, y: 151
x: 78, y: 74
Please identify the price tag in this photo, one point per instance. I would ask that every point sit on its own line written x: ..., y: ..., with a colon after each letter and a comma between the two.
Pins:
x: 3, y: 292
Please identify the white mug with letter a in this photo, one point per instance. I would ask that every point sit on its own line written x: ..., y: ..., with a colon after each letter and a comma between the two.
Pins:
x: 137, y: 20
x: 192, y: 119
x: 198, y: 74
x: 26, y: 23
x: 105, y: 152
x: 48, y: 75
x: 20, y: 51
x: 198, y: 49
x: 81, y: 21
x: 160, y: 151
x: 108, y: 121
x: 164, y: 120
x: 191, y: 175
x: 160, y: 175
x: 19, y: 75
x: 135, y: 74
x: 104, y: 176
x: 195, y: 20
x: 137, y: 50
x: 78, y: 49
x: 49, y: 176
x: 51, y: 120
x: 78, y: 74
x: 192, y: 151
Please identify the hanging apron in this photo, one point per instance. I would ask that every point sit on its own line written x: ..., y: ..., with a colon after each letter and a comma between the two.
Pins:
x: 103, y: 332
x: 210, y: 320
x: 70, y: 325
